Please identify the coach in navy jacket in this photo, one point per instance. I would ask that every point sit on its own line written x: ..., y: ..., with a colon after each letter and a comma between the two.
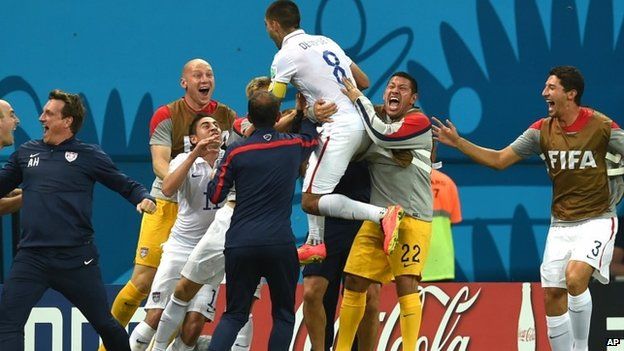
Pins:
x: 260, y: 243
x: 56, y: 250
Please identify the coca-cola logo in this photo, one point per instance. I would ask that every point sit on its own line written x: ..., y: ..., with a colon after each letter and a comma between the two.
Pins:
x: 445, y: 338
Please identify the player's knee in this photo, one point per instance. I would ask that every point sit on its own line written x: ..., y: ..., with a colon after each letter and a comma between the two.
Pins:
x: 153, y: 317
x: 312, y: 295
x: 142, y: 278
x: 186, y: 289
x: 372, y: 299
x: 576, y: 283
x: 355, y: 283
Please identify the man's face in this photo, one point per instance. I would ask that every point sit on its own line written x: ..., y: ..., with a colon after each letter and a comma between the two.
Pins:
x: 8, y: 123
x: 272, y: 29
x: 55, y: 127
x: 199, y: 82
x: 556, y: 97
x: 206, y: 127
x: 398, y: 97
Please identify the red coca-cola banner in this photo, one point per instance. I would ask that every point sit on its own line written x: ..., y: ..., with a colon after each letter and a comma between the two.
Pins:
x: 456, y: 316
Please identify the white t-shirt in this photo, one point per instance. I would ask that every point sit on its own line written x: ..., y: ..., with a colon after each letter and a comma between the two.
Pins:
x: 315, y: 65
x: 195, y: 211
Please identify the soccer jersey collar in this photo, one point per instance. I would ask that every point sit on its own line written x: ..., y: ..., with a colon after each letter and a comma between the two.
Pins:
x: 290, y: 35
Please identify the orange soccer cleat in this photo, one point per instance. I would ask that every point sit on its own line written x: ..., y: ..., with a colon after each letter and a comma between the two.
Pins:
x: 311, y: 253
x: 390, y: 226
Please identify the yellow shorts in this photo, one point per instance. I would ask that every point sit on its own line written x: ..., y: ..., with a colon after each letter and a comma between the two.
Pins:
x: 155, y: 229
x: 367, y: 258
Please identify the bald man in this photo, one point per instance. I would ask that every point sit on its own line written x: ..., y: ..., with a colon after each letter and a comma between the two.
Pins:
x: 168, y: 137
x: 8, y: 123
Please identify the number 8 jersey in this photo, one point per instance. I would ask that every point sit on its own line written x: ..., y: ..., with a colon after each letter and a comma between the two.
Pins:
x: 315, y: 65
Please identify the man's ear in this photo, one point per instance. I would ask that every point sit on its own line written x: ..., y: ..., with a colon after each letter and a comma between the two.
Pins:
x: 183, y: 83
x: 413, y: 99
x: 571, y: 94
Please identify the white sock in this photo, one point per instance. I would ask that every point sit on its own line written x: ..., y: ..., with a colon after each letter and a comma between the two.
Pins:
x: 141, y: 337
x: 179, y: 345
x: 580, y: 310
x: 559, y: 332
x: 340, y: 206
x: 171, y: 318
x: 243, y: 339
x: 316, y: 227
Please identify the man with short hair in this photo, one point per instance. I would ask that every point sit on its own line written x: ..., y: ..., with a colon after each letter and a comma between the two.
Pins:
x: 8, y: 123
x: 188, y: 175
x: 573, y: 141
x: 259, y: 242
x: 57, y: 248
x: 315, y: 65
x: 400, y: 168
x: 168, y: 137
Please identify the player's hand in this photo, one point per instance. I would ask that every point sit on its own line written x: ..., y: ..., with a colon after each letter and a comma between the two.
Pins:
x: 323, y: 110
x: 445, y: 133
x: 300, y: 102
x: 350, y: 90
x: 249, y: 131
x: 15, y: 192
x: 146, y: 206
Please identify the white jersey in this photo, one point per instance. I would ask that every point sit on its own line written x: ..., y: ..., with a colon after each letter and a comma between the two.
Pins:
x: 315, y: 66
x: 195, y: 211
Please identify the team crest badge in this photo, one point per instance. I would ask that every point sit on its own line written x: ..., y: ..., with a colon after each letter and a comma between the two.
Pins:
x: 156, y: 296
x: 71, y: 156
x: 143, y: 252
x: 267, y: 137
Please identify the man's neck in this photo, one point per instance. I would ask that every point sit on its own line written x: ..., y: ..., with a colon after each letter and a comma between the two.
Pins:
x: 569, y: 116
x: 194, y: 106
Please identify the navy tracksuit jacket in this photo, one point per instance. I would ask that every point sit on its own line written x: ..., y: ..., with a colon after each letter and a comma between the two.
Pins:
x: 56, y: 249
x: 260, y: 243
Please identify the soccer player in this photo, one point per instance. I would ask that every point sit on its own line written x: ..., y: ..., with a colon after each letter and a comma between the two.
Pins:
x: 189, y: 174
x: 315, y: 65
x: 573, y: 141
x: 400, y: 167
x: 57, y: 249
x: 8, y: 122
x: 168, y: 137
x: 205, y: 265
x: 259, y: 242
x: 322, y: 280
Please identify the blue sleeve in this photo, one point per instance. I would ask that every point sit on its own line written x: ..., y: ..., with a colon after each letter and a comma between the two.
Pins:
x: 309, y: 138
x: 109, y: 175
x: 220, y: 185
x: 10, y: 175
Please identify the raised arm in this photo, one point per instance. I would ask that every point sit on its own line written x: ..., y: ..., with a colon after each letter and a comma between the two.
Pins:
x: 498, y: 159
x: 178, y: 171
x: 361, y: 79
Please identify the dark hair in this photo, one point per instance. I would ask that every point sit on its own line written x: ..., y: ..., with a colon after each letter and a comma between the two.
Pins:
x: 285, y: 12
x: 263, y: 109
x: 408, y: 77
x: 571, y: 79
x: 193, y: 127
x: 73, y: 107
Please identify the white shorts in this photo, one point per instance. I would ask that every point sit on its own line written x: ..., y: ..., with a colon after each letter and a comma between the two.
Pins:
x: 589, y: 241
x: 329, y: 161
x: 167, y: 276
x: 206, y: 264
